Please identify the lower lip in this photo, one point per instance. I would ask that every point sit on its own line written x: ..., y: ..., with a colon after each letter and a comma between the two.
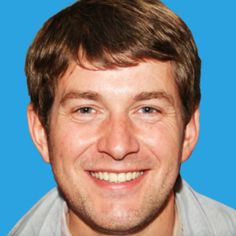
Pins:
x: 117, y: 186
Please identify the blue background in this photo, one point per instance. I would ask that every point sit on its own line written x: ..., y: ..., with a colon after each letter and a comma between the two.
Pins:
x: 212, y: 168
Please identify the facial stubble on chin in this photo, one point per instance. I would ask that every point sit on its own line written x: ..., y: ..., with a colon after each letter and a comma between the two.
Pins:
x: 83, y: 211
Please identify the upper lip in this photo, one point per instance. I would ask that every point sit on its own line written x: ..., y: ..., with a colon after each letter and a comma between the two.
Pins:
x: 117, y: 171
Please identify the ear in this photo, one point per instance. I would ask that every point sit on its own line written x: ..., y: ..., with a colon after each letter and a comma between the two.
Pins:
x: 38, y: 133
x: 191, y: 135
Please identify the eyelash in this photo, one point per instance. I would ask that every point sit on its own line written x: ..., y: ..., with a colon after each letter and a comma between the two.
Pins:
x: 149, y: 110
x: 88, y: 113
x: 84, y: 110
x: 146, y: 109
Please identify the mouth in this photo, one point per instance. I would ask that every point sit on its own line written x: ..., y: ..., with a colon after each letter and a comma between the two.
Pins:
x: 112, y: 177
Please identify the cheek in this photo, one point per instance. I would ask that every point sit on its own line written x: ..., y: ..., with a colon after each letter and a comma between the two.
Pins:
x: 69, y: 141
x: 164, y: 140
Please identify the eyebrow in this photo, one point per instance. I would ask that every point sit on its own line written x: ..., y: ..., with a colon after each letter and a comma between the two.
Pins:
x: 80, y: 95
x: 90, y: 95
x: 154, y: 95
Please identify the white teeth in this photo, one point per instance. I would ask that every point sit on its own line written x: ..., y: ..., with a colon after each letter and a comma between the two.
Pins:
x: 116, y: 178
x: 129, y: 176
x: 112, y: 177
x: 105, y: 176
x: 100, y: 175
x: 121, y: 177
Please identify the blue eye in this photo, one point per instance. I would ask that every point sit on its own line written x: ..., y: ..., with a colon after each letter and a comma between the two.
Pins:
x: 148, y: 110
x: 85, y: 110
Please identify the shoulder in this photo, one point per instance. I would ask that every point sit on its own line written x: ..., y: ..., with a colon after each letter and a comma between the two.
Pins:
x: 205, y: 215
x: 37, y: 219
x: 220, y: 215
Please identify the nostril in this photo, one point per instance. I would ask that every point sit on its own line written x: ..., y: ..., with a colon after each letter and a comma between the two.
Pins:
x: 118, y: 148
x: 118, y: 139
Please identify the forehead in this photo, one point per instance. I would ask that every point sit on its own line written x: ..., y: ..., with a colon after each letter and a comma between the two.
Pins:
x: 149, y: 76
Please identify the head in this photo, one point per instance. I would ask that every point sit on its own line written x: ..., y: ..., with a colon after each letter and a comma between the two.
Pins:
x: 108, y: 34
x: 114, y: 88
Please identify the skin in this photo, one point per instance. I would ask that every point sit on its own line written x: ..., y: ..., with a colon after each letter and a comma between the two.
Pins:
x: 118, y: 120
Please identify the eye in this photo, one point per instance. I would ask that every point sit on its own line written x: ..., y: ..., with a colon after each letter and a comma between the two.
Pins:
x: 148, y: 114
x: 148, y: 110
x: 84, y: 114
x: 85, y: 110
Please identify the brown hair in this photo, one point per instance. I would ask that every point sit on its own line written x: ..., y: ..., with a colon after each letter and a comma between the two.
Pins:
x: 107, y: 34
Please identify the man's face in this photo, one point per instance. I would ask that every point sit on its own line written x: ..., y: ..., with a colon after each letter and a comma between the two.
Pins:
x: 116, y: 141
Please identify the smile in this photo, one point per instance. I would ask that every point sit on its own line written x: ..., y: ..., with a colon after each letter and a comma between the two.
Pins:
x: 116, y: 177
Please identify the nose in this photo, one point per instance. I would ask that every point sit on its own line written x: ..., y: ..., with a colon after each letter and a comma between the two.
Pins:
x: 118, y: 139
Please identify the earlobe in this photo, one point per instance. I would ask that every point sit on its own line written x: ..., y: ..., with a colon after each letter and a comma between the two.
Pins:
x: 191, y: 135
x: 38, y: 133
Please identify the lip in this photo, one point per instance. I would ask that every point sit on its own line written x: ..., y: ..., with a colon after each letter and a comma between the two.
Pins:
x: 131, y: 184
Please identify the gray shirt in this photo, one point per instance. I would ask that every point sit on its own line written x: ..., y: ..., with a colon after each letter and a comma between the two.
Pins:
x: 197, y: 216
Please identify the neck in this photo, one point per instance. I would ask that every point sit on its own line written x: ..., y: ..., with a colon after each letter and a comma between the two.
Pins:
x: 164, y: 224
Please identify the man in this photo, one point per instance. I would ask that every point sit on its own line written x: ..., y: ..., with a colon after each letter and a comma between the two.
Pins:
x: 114, y: 88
